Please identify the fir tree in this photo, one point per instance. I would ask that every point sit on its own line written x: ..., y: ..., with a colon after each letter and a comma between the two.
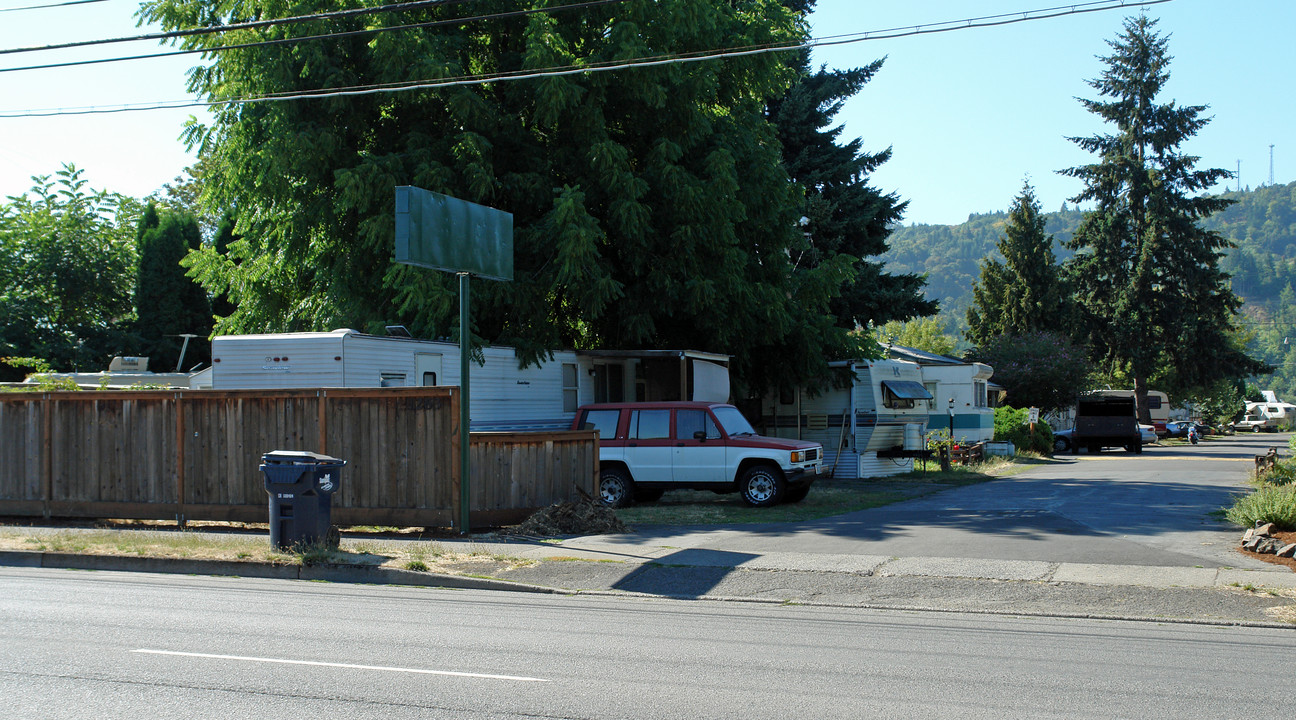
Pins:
x: 843, y: 213
x: 1024, y: 293
x: 167, y: 303
x: 1148, y: 281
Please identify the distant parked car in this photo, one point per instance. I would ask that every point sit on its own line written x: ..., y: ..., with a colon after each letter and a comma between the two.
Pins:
x: 1064, y: 440
x: 1179, y: 429
x: 1148, y: 434
x: 1256, y: 423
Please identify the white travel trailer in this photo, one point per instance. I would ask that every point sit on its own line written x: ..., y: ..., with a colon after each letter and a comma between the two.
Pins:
x: 123, y: 373
x: 870, y: 426
x: 504, y: 395
x: 963, y: 398
x: 1276, y: 413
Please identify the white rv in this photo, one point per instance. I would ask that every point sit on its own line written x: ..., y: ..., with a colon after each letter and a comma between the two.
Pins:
x: 1274, y: 413
x: 870, y: 426
x: 504, y: 396
x: 963, y: 398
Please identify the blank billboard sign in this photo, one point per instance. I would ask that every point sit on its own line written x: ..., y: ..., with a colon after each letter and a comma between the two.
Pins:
x: 444, y: 233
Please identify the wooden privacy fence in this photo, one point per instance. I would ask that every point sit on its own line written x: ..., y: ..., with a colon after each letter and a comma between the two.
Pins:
x: 195, y: 455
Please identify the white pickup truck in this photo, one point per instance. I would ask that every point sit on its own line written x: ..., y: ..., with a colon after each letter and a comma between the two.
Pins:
x: 1255, y: 422
x: 648, y: 448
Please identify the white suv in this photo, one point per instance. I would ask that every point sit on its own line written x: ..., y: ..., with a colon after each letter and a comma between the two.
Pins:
x: 646, y: 449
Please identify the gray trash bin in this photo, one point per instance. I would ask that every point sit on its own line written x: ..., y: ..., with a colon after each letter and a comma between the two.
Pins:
x: 301, y: 487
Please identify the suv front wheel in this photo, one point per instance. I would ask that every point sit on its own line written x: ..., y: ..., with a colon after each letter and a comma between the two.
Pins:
x: 616, y: 489
x: 762, y: 486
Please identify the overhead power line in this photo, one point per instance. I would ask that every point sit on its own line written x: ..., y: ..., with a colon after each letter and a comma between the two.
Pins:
x: 51, y: 5
x: 652, y: 61
x: 251, y: 25
x: 325, y: 36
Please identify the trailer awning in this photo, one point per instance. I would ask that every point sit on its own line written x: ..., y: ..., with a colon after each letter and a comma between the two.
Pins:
x: 907, y: 389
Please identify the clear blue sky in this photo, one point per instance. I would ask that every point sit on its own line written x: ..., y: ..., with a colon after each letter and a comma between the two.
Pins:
x: 968, y: 113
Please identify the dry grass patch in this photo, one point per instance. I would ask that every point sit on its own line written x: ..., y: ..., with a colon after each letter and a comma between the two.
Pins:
x: 423, y: 556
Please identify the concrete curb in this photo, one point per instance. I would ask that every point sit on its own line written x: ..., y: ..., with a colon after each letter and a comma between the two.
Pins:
x: 359, y: 574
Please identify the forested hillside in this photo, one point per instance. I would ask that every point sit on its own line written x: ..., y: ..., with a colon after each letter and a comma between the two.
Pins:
x: 1262, y: 223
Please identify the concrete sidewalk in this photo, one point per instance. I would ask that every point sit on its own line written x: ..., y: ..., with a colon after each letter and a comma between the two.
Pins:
x: 666, y: 567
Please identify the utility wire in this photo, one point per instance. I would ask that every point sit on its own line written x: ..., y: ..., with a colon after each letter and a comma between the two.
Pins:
x: 326, y: 36
x: 655, y: 61
x: 51, y: 5
x: 252, y: 25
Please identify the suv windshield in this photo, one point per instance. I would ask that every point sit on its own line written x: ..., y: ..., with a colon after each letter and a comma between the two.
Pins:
x: 732, y: 421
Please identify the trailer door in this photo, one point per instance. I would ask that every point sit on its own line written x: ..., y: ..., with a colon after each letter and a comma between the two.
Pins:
x: 427, y: 367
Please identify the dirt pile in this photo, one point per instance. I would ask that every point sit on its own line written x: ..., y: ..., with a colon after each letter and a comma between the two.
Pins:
x: 584, y: 517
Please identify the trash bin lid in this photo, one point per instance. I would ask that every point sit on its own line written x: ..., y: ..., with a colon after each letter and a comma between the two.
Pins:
x: 298, y: 457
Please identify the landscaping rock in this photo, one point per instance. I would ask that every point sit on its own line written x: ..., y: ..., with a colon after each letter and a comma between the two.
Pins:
x: 1266, y: 530
x: 1248, y: 536
x: 1288, y: 550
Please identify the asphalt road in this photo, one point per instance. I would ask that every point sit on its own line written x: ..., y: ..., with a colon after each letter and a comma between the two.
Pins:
x: 108, y: 645
x: 1154, y: 509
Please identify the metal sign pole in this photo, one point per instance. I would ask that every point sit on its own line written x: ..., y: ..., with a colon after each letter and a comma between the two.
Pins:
x: 465, y: 357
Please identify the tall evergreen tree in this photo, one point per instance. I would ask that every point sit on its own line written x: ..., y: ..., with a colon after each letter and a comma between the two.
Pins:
x: 167, y: 303
x: 843, y: 213
x: 650, y: 205
x: 1024, y: 293
x: 1148, y: 279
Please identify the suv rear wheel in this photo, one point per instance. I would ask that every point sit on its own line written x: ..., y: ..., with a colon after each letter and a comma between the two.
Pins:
x: 762, y: 486
x: 616, y: 489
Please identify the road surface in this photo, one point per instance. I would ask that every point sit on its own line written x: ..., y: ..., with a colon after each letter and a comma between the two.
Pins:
x: 109, y: 645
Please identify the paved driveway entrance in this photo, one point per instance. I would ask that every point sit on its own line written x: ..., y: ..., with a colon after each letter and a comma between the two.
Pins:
x: 1113, y: 508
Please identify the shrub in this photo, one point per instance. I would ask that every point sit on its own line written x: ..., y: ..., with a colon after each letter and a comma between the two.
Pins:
x: 1268, y: 504
x: 1010, y: 425
x: 1284, y: 473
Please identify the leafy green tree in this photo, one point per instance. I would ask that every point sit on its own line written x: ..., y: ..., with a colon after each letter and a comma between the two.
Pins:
x: 1040, y: 369
x: 1024, y: 293
x: 841, y: 213
x: 67, y: 260
x: 222, y: 306
x: 650, y: 205
x: 1147, y: 275
x: 167, y: 303
x: 1219, y: 404
x: 927, y: 334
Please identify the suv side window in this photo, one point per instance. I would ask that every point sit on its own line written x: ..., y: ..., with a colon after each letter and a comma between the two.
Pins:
x: 688, y: 422
x: 650, y: 424
x: 605, y: 421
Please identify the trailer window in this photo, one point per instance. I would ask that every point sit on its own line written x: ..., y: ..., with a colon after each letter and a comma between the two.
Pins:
x: 392, y: 380
x: 570, y: 391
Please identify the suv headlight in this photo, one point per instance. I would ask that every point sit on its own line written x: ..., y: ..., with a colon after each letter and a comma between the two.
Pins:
x: 798, y: 456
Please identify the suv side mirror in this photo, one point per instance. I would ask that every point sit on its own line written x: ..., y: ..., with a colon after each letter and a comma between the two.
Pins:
x: 700, y: 435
